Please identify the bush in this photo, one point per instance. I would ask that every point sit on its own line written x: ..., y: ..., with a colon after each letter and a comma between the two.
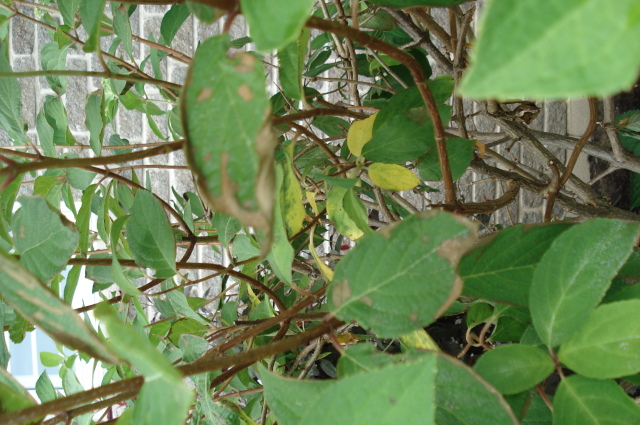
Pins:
x: 332, y: 272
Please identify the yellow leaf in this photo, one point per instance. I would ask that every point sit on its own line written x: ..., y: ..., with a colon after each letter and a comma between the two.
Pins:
x: 311, y: 197
x: 359, y: 134
x: 419, y: 339
x: 392, y: 177
x: 324, y: 269
x: 291, y: 196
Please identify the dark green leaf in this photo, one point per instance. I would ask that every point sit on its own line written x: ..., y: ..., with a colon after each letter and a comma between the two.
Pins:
x: 608, y: 345
x: 68, y: 9
x: 514, y: 368
x: 227, y: 227
x: 415, y: 261
x: 501, y: 267
x: 291, y: 59
x: 460, y: 153
x: 574, y: 275
x: 150, y: 235
x: 44, y: 238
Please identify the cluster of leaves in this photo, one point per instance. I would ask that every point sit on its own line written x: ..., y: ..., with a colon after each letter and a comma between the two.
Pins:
x: 301, y: 193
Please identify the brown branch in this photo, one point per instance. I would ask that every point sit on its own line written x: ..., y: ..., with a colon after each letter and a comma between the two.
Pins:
x: 311, y: 113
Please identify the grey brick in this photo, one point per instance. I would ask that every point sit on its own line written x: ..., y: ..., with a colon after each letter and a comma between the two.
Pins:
x: 23, y: 33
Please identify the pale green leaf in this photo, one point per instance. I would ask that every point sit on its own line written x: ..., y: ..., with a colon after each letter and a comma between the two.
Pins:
x: 291, y: 59
x: 94, y: 121
x: 276, y: 23
x: 53, y: 58
x: 281, y: 254
x: 514, y: 368
x: 119, y: 277
x: 150, y: 235
x: 227, y: 227
x: 22, y: 291
x: 44, y: 238
x: 608, y: 345
x: 402, y: 277
x: 122, y: 26
x: 550, y: 49
x: 584, y: 401
x: 293, y: 211
x: 13, y: 396
x: 574, y: 275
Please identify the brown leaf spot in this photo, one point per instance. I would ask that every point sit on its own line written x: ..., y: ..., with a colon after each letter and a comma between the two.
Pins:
x: 244, y: 91
x: 341, y: 293
x: 413, y: 317
x: 367, y: 300
x: 205, y: 94
x: 452, y: 249
x: 245, y: 63
x: 392, y: 401
x: 425, y: 239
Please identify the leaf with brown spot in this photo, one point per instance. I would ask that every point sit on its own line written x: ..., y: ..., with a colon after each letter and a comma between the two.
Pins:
x: 230, y: 145
x: 403, y: 277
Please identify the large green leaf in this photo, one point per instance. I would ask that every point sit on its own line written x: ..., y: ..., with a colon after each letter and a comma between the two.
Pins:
x: 402, y: 277
x: 557, y: 49
x: 501, y: 267
x: 54, y: 58
x: 172, y: 21
x: 44, y: 238
x: 164, y: 398
x: 28, y: 296
x: 574, y: 275
x: 584, y: 401
x: 514, y: 368
x: 11, y: 102
x: 230, y: 146
x: 401, y: 393
x: 420, y: 388
x: 608, y: 345
x: 150, y: 235
x: 276, y: 23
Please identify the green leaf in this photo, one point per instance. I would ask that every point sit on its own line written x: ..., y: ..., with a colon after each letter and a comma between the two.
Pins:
x: 193, y: 347
x: 44, y: 238
x: 402, y: 277
x: 119, y: 277
x: 22, y: 291
x: 68, y: 9
x: 226, y: 96
x: 78, y: 178
x: 94, y: 120
x: 414, y: 3
x: 172, y: 21
x: 347, y: 221
x: 53, y: 58
x: 634, y: 190
x: 584, y: 401
x: 574, y: 275
x: 281, y: 254
x: 514, y: 368
x: 204, y: 13
x: 84, y: 217
x: 150, y: 235
x: 401, y: 393
x: 293, y: 211
x: 11, y: 102
x: 398, y: 140
x: 277, y: 23
x: 460, y: 153
x: 91, y: 15
x: 501, y: 267
x: 164, y: 397
x: 56, y: 116
x: 227, y: 227
x: 45, y: 389
x: 50, y: 359
x: 13, y: 396
x: 122, y: 26
x: 608, y: 345
x: 579, y: 49
x: 291, y: 59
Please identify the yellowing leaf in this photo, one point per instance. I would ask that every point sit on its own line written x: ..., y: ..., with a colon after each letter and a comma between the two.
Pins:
x: 359, y: 134
x: 324, y: 269
x: 392, y: 177
x: 291, y: 196
x: 420, y: 339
